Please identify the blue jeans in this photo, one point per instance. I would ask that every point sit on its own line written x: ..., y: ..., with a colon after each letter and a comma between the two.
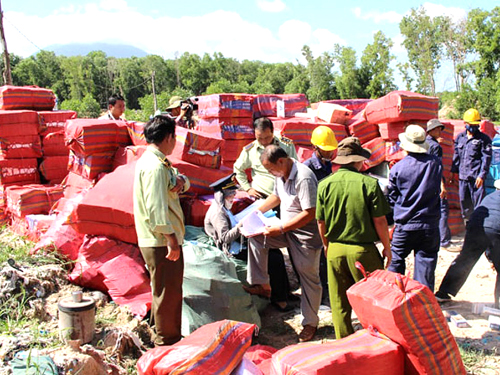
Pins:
x: 444, y: 229
x: 470, y: 196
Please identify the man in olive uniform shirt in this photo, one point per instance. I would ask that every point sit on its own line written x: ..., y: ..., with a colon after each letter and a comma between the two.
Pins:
x: 351, y: 211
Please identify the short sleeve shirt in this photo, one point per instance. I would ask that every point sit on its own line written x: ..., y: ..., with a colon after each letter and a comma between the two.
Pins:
x: 347, y: 203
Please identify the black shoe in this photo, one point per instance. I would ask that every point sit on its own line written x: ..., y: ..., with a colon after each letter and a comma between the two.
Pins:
x: 442, y: 297
x: 293, y: 297
x: 287, y: 307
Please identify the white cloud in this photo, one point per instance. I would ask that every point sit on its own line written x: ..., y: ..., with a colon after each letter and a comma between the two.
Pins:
x: 274, y: 6
x: 220, y: 31
x: 377, y: 17
x: 436, y: 10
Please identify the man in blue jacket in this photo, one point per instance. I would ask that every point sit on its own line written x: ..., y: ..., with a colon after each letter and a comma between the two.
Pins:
x: 414, y: 187
x: 471, y: 160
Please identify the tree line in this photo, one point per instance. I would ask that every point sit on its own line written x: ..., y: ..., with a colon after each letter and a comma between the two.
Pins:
x: 471, y: 45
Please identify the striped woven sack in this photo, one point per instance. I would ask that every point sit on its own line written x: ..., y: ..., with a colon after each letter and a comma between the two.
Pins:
x: 32, y: 199
x: 447, y: 160
x: 300, y: 130
x: 91, y: 136
x: 393, y: 151
x: 225, y: 105
x: 408, y: 313
x: 227, y: 127
x: 19, y: 171
x: 215, y: 348
x: 136, y: 133
x: 452, y: 194
x: 54, y: 168
x: 198, y: 147
x: 53, y: 121
x: 446, y: 134
x: 26, y: 97
x: 21, y: 146
x: 232, y: 150
x: 456, y: 222
x: 265, y: 105
x: 126, y: 155
x: 363, y: 130
x: 91, y: 166
x: 304, y: 152
x: 15, y: 123
x: 355, y: 105
x: 377, y: 149
x: 53, y: 144
x: 402, y: 106
x: 364, y: 352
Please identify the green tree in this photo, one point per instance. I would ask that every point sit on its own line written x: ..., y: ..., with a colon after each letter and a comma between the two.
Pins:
x: 375, y: 66
x: 86, y: 108
x: 320, y: 76
x: 404, y: 70
x: 348, y: 80
x: 423, y: 43
x: 457, y: 47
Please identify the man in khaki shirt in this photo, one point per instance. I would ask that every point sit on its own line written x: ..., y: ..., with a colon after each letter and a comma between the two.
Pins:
x: 159, y: 223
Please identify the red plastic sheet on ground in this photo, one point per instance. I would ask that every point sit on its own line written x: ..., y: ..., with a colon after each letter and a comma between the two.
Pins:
x: 360, y: 128
x: 215, y: 348
x: 355, y: 105
x: 408, y: 313
x: 198, y: 148
x: 32, y: 199
x: 53, y: 144
x: 107, y: 209
x: 54, y: 168
x: 228, y: 127
x: 225, y: 105
x: 19, y: 171
x: 402, y: 106
x: 364, y: 352
x: 300, y: 130
x: 126, y: 155
x: 53, y: 121
x: 90, y: 166
x: 26, y: 97
x: 91, y: 136
x: 265, y: 105
x: 20, y: 146
x: 102, y: 264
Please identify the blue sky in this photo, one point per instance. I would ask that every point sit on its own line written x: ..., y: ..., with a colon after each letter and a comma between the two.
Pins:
x: 272, y: 31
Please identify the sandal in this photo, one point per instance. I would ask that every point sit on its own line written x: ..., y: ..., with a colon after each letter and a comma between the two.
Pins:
x: 258, y: 290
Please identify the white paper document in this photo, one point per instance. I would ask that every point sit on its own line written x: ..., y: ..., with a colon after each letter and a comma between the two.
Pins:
x: 255, y: 223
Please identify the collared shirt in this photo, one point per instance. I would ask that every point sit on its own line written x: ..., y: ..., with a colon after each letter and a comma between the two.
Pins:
x: 472, y: 156
x: 157, y: 210
x: 109, y: 116
x: 347, y: 202
x: 319, y: 169
x: 487, y: 214
x: 434, y: 147
x: 262, y: 180
x: 298, y: 193
x: 414, y: 187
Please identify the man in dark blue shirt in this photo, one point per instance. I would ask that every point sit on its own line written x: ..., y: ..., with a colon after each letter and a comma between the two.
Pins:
x: 483, y: 232
x: 414, y: 187
x: 471, y: 160
x: 324, y: 143
x: 434, y: 128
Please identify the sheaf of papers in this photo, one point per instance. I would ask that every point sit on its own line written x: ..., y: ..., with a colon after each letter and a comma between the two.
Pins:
x: 255, y: 223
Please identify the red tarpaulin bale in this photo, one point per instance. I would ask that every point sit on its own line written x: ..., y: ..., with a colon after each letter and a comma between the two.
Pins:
x: 32, y: 199
x: 355, y: 105
x: 408, y: 313
x: 53, y: 144
x: 53, y: 121
x: 391, y: 131
x: 488, y: 128
x: 54, y: 168
x: 215, y: 348
x: 456, y: 222
x: 26, y: 97
x: 304, y: 152
x: 447, y: 160
x: 265, y: 105
x: 377, y: 149
x: 15, y: 123
x: 225, y: 105
x: 447, y: 134
x: 300, y: 130
x: 232, y: 149
x: 20, y: 147
x: 136, y: 133
x: 452, y: 194
x: 364, y: 352
x: 107, y: 209
x: 198, y: 148
x: 194, y: 210
x: 19, y: 171
x: 261, y: 356
x: 228, y: 127
x: 393, y: 151
x: 360, y: 128
x: 91, y: 136
x: 402, y: 106
x: 74, y: 184
x: 38, y: 224
x: 91, y: 166
x: 129, y: 154
x: 333, y: 113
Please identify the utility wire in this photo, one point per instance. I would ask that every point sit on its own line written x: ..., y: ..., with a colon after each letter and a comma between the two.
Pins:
x: 19, y: 31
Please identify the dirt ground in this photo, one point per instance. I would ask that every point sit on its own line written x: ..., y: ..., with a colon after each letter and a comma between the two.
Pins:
x: 281, y: 329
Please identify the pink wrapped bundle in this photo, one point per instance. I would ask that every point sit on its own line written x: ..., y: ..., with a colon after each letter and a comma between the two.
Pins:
x: 355, y: 105
x: 15, y: 123
x: 19, y: 171
x: 26, y: 97
x: 91, y: 166
x: 266, y: 105
x: 377, y: 148
x: 53, y: 144
x: 333, y: 113
x: 225, y: 105
x: 227, y: 127
x: 32, y: 199
x: 198, y: 147
x: 300, y: 130
x: 136, y: 132
x: 129, y: 154
x: 362, y: 129
x: 20, y: 146
x: 54, y: 168
x: 53, y: 121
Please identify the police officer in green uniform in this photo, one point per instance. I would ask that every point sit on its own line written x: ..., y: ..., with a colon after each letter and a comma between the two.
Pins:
x: 263, y: 185
x: 262, y: 181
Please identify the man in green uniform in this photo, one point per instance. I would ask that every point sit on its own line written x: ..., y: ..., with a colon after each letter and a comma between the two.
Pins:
x: 351, y: 211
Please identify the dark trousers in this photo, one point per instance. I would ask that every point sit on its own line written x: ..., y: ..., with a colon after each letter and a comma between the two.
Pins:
x: 444, y: 229
x: 278, y: 277
x: 470, y: 196
x: 425, y: 245
x: 166, y: 286
x: 323, y: 276
x: 477, y: 240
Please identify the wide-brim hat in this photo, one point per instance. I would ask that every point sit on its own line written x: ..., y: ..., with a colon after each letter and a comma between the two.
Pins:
x: 433, y: 124
x: 349, y: 151
x: 174, y: 102
x: 496, y: 184
x: 413, y: 140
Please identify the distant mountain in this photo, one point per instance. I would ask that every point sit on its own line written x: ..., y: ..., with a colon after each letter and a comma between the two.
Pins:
x: 111, y: 50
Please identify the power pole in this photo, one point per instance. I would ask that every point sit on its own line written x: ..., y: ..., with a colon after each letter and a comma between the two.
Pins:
x: 155, y: 101
x: 7, y: 76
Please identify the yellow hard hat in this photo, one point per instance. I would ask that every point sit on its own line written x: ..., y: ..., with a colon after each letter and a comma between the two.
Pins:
x: 324, y: 138
x: 472, y: 116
